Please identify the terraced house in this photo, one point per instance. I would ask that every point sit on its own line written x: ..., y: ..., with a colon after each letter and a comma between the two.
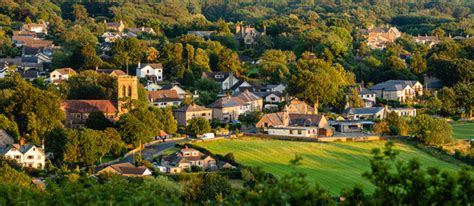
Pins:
x: 229, y: 108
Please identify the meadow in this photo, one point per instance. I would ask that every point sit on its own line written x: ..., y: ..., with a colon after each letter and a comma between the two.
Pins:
x: 333, y: 165
x: 463, y: 130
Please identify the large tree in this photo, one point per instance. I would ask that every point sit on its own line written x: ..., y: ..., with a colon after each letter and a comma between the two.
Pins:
x: 315, y: 78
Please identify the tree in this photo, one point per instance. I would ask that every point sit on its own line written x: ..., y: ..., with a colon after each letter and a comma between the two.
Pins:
x: 198, y: 126
x: 79, y: 12
x: 430, y: 130
x: 274, y: 66
x: 465, y: 97
x: 169, y: 122
x: 434, y: 104
x: 354, y: 100
x: 134, y: 131
x: 10, y: 176
x: 10, y: 127
x: 315, y: 78
x: 152, y: 54
x: 35, y: 111
x: 418, y: 64
x: 381, y: 128
x: 228, y: 61
x: 397, y: 125
x: 98, y: 121
x: 447, y: 97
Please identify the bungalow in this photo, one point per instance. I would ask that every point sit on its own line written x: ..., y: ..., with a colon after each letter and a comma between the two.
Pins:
x: 366, y: 113
x: 185, y: 113
x: 164, y: 98
x: 398, y: 90
x: 27, y: 155
x: 153, y: 72
x: 187, y: 157
x: 125, y: 169
x: 62, y: 74
x: 348, y: 126
x: 225, y: 79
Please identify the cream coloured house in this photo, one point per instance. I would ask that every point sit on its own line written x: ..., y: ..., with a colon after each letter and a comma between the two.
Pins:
x: 188, y: 112
x: 27, y: 155
x: 229, y: 108
x: 398, y: 90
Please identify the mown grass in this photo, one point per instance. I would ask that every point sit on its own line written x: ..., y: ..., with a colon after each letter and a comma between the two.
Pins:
x: 463, y: 130
x: 333, y: 165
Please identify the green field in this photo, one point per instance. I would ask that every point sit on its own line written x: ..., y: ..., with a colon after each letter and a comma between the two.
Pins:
x: 463, y: 130
x: 333, y: 165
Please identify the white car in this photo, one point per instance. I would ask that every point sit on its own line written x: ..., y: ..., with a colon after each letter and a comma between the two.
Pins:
x: 208, y: 136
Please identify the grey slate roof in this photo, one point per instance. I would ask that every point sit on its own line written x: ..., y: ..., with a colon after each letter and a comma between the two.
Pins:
x: 5, y: 139
x: 359, y: 111
x: 394, y: 85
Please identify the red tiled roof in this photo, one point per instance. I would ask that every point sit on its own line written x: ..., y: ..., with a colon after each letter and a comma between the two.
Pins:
x: 88, y: 106
x: 163, y: 95
x: 66, y: 71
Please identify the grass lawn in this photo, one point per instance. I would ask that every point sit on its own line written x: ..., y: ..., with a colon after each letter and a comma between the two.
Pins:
x: 334, y: 165
x: 463, y: 130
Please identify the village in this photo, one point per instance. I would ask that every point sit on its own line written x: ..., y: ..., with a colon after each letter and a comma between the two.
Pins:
x: 123, y: 95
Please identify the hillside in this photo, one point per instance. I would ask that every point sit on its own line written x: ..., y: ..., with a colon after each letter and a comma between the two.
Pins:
x: 335, y: 166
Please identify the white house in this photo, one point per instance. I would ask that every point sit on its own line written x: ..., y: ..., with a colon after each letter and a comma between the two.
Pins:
x: 62, y: 74
x: 27, y: 155
x: 293, y: 131
x: 275, y: 88
x: 225, y: 79
x: 164, y: 98
x: 153, y: 72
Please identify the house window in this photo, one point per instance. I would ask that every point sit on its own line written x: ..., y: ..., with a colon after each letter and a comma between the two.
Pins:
x: 203, y: 114
x: 30, y: 165
x: 147, y: 71
x: 17, y: 157
x: 39, y: 165
x: 30, y: 157
x: 291, y: 131
x: 54, y: 76
x: 273, y: 99
x: 300, y: 132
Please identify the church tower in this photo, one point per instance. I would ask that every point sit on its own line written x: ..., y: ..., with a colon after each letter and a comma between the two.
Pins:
x: 127, y: 87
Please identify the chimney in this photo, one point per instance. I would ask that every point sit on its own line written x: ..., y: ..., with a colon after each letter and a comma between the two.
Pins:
x: 316, y: 105
x: 42, y: 144
x: 22, y: 141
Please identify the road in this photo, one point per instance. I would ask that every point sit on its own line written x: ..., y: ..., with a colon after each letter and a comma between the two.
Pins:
x: 151, y: 150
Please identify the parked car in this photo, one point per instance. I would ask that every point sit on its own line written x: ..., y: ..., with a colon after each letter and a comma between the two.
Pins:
x: 208, y: 136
